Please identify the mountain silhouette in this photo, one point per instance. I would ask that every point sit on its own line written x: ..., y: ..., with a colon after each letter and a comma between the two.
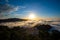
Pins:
x: 12, y: 20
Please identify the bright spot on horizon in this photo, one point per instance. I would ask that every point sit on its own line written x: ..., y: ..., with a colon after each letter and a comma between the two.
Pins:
x: 31, y: 16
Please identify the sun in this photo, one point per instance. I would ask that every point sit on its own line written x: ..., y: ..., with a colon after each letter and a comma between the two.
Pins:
x: 31, y: 16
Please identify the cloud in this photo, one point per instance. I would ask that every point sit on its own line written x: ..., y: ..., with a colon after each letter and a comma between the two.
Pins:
x: 7, y: 9
x: 16, y: 8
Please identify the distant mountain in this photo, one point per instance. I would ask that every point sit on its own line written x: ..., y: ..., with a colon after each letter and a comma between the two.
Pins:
x: 12, y: 20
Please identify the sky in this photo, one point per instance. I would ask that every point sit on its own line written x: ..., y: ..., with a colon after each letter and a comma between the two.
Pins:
x: 22, y: 8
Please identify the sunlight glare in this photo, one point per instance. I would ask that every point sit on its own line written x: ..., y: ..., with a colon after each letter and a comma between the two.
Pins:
x: 32, y: 16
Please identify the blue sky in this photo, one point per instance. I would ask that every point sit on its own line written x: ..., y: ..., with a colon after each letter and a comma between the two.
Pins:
x: 22, y: 8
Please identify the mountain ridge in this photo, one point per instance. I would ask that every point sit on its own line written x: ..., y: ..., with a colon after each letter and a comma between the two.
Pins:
x: 12, y: 20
